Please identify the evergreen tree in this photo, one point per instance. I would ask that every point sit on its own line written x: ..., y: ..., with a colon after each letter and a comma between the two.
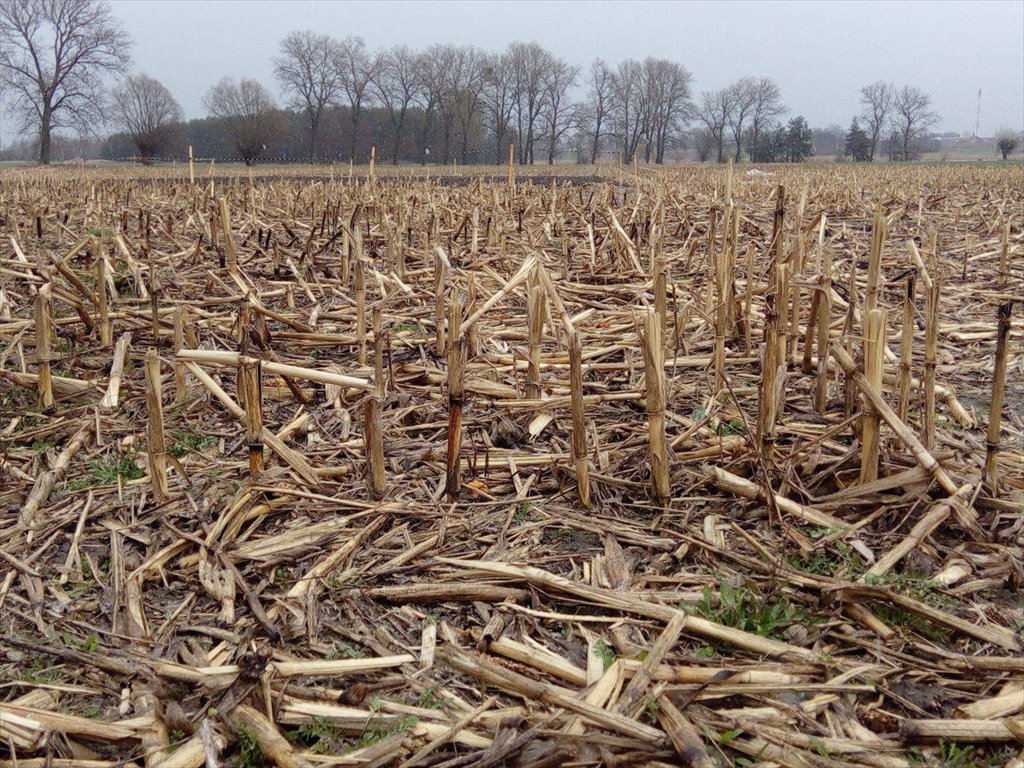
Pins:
x: 798, y: 140
x: 858, y: 144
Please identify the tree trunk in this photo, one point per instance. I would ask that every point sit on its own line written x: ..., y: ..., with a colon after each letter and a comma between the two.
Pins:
x: 314, y: 129
x: 355, y: 134
x: 44, y: 137
x: 597, y: 143
x: 399, y: 131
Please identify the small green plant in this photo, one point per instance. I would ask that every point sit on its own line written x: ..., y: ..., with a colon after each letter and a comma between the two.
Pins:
x: 844, y: 563
x: 349, y: 651
x: 185, y: 442
x: 39, y: 671
x: 412, y: 325
x: 705, y: 652
x: 740, y: 608
x: 428, y: 700
x: 42, y: 446
x: 652, y: 709
x: 522, y: 512
x: 954, y: 755
x: 320, y: 737
x: 107, y: 471
x: 732, y: 427
x: 249, y: 753
x: 373, y: 735
x: 605, y: 652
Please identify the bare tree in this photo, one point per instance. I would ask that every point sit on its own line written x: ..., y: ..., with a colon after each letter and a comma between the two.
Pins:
x: 598, y: 104
x: 559, y: 112
x: 767, y: 107
x: 743, y: 95
x: 1006, y: 142
x: 529, y: 63
x: 499, y: 101
x: 427, y: 74
x: 148, y: 113
x: 876, y: 99
x: 453, y: 84
x: 668, y: 97
x: 397, y: 85
x: 54, y: 55
x: 249, y: 112
x: 912, y: 117
x: 630, y: 108
x: 703, y: 142
x: 307, y: 73
x: 357, y: 68
x: 713, y: 112
x: 468, y: 84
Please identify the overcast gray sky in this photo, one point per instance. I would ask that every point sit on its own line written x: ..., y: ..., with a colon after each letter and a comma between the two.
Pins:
x: 820, y: 53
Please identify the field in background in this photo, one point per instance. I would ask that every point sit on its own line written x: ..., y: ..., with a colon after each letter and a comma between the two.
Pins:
x: 600, y: 465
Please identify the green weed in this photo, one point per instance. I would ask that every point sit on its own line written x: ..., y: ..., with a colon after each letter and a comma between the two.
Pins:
x: 740, y: 608
x: 185, y: 442
x: 320, y: 737
x: 732, y: 427
x: 107, y: 471
x: 845, y: 563
x: 249, y: 753
x: 605, y: 652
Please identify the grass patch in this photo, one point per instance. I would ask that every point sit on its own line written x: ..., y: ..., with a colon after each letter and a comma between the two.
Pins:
x: 740, y: 608
x: 186, y: 442
x: 844, y: 563
x: 107, y: 471
x: 951, y: 754
x: 732, y: 427
x: 320, y: 736
x: 249, y: 753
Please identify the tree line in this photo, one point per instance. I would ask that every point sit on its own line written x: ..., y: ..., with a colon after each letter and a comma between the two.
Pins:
x: 447, y: 103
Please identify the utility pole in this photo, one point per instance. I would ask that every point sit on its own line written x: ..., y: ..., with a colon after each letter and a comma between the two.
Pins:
x: 977, y: 116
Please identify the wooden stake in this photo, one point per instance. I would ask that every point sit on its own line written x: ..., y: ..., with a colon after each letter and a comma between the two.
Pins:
x: 250, y: 380
x: 654, y: 377
x: 768, y: 393
x: 906, y: 349
x: 823, y: 320
x: 875, y: 261
x: 996, y: 406
x: 931, y: 331
x: 1004, y: 256
x: 874, y: 348
x: 155, y: 428
x: 535, y: 330
x: 230, y: 253
x: 102, y: 301
x: 373, y: 446
x: 360, y: 285
x: 456, y: 391
x: 579, y: 421
x: 180, y: 321
x: 43, y: 330
x: 440, y: 277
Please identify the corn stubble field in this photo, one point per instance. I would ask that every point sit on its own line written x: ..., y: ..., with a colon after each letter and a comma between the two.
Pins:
x: 687, y: 466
